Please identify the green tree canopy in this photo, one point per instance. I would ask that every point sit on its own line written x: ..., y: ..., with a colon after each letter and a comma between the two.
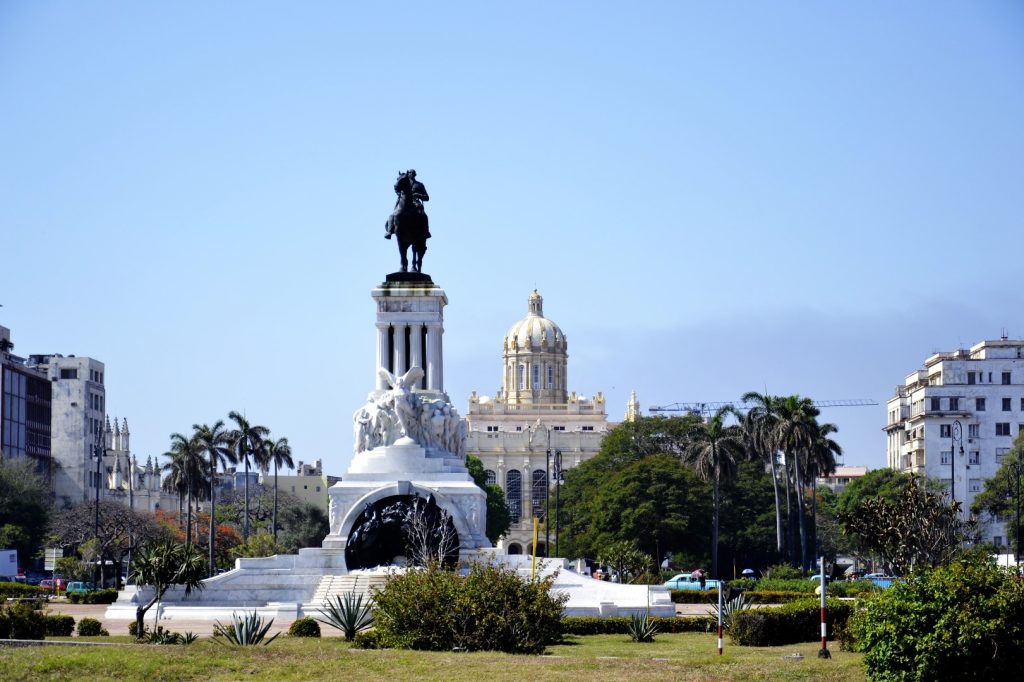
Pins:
x: 24, y: 508
x: 499, y: 520
x: 1001, y: 496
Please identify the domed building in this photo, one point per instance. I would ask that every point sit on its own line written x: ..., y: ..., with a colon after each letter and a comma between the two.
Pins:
x: 533, y: 424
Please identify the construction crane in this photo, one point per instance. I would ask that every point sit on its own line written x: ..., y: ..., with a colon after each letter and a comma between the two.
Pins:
x: 705, y: 409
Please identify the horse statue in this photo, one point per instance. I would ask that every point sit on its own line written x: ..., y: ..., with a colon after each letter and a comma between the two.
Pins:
x: 409, y: 221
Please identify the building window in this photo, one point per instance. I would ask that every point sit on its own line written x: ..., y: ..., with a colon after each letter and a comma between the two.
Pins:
x: 522, y: 377
x: 945, y: 431
x: 538, y: 492
x: 936, y: 404
x: 971, y: 378
x: 974, y: 485
x: 558, y: 428
x: 1003, y: 429
x: 318, y: 488
x: 551, y: 377
x: 519, y: 428
x: 492, y: 429
x: 979, y: 404
x: 997, y: 540
x: 1001, y: 452
x: 972, y: 431
x: 1006, y: 378
x: 69, y: 373
x: 1007, y: 405
x: 946, y: 457
x: 954, y: 404
x: 492, y: 478
x: 536, y: 376
x: 591, y: 428
x: 515, y: 549
x: 974, y: 457
x: 514, y: 493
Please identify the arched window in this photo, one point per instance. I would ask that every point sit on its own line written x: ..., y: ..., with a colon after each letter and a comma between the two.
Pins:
x: 522, y: 377
x: 551, y: 377
x: 536, y: 376
x: 514, y: 548
x: 538, y: 493
x: 514, y: 494
x: 492, y: 478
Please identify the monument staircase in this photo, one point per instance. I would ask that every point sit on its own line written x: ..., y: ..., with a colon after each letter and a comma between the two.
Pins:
x: 331, y: 586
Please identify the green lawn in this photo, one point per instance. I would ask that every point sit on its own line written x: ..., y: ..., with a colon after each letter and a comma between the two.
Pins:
x: 688, y: 656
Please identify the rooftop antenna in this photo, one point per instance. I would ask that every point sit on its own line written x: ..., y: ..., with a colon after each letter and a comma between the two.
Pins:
x: 1003, y: 334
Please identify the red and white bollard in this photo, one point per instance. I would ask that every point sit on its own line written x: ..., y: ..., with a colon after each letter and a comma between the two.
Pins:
x: 823, y: 653
x: 719, y: 617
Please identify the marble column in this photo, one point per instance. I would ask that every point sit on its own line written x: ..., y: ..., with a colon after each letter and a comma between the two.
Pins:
x: 382, y: 355
x: 416, y: 346
x: 401, y: 360
x: 433, y: 353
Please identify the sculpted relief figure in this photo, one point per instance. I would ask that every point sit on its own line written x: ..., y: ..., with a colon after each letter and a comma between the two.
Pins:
x: 399, y: 413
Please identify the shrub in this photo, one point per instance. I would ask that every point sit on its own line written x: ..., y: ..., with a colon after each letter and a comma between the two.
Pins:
x: 642, y: 627
x: 59, y: 625
x: 731, y: 608
x: 90, y: 627
x: 367, y: 639
x: 347, y: 613
x: 798, y: 621
x: 786, y: 585
x: 964, y: 621
x: 161, y: 636
x: 248, y: 630
x: 305, y: 627
x: 694, y: 596
x: 490, y: 609
x: 783, y: 572
x: 22, y: 620
x: 619, y: 625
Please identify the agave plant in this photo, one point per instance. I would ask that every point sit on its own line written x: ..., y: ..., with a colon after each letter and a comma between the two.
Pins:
x: 348, y: 614
x: 188, y: 637
x: 642, y: 628
x: 730, y: 608
x: 249, y: 630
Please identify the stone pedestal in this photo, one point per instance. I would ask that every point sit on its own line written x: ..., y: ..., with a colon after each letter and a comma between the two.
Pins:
x: 406, y: 468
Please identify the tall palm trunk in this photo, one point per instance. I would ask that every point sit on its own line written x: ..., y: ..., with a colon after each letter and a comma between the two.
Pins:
x: 213, y: 508
x: 714, y: 520
x: 275, y: 501
x: 778, y: 507
x: 788, y: 549
x: 801, y: 517
x: 245, y: 521
x: 814, y: 512
x: 188, y: 525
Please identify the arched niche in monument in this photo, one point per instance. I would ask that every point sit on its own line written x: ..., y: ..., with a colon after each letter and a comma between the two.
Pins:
x: 401, y: 529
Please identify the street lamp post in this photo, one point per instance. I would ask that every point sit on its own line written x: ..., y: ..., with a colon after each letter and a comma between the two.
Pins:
x: 558, y: 489
x: 98, y: 451
x: 547, y: 501
x: 956, y: 435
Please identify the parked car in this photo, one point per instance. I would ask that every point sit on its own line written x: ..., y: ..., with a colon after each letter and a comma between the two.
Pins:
x: 686, y: 581
x: 876, y: 576
x: 54, y: 583
x: 78, y: 587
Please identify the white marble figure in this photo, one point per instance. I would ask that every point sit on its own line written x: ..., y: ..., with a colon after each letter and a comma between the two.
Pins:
x: 399, y: 413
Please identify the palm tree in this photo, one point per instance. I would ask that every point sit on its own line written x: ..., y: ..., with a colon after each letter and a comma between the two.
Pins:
x: 247, y: 442
x: 759, y: 423
x: 160, y: 566
x: 713, y: 450
x: 795, y: 430
x: 174, y: 482
x: 186, y: 457
x: 280, y: 454
x: 821, y: 461
x: 215, y: 441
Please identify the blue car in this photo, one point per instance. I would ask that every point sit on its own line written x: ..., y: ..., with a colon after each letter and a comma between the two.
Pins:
x: 686, y: 581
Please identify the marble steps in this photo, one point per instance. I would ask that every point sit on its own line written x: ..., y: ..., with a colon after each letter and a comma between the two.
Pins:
x: 331, y: 586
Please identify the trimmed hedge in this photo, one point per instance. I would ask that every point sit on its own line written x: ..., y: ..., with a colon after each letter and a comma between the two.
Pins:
x: 20, y: 591
x: 798, y: 621
x: 710, y: 597
x: 694, y: 596
x: 367, y: 639
x: 619, y: 625
x: 59, y: 625
x: 106, y: 596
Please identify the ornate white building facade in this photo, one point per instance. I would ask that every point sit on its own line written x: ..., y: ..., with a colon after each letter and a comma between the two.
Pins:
x: 534, y: 420
x: 956, y: 419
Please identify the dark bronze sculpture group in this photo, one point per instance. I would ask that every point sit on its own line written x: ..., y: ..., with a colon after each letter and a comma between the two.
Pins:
x: 386, y: 528
x: 409, y: 221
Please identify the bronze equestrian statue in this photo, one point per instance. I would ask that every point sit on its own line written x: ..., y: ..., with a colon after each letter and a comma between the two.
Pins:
x: 409, y: 221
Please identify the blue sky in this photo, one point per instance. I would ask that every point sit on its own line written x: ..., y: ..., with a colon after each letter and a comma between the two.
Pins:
x: 712, y: 197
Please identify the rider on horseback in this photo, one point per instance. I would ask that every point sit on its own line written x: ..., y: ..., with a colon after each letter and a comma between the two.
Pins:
x: 419, y: 195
